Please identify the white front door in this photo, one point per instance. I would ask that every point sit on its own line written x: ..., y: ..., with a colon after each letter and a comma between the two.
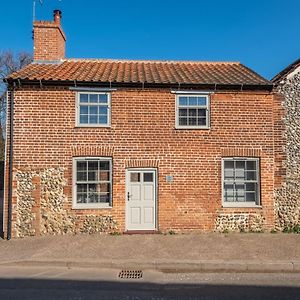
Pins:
x: 141, y: 199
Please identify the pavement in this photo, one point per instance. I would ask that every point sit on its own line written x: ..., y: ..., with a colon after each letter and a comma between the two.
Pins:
x: 207, y: 252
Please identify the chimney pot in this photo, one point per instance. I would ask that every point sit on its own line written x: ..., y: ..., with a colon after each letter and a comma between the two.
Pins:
x: 57, y: 16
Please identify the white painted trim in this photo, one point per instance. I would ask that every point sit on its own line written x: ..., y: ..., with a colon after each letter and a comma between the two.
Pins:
x: 76, y: 205
x: 207, y: 107
x: 241, y: 204
x: 192, y: 92
x: 77, y: 103
x: 89, y: 89
x: 127, y: 182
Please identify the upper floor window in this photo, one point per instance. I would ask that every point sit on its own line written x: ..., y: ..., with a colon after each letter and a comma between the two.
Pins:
x: 241, y: 182
x: 93, y: 109
x: 192, y: 111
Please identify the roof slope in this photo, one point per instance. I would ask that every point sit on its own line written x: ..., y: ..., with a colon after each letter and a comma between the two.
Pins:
x: 149, y: 72
x: 285, y: 72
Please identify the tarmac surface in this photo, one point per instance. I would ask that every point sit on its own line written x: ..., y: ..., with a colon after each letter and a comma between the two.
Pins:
x: 92, y: 283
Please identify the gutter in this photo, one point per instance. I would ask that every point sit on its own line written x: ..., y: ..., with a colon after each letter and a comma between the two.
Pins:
x: 10, y: 167
x: 143, y: 85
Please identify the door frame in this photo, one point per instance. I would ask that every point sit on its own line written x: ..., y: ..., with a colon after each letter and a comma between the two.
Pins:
x: 127, y: 182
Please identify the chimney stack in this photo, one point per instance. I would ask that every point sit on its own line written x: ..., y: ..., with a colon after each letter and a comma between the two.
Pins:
x: 49, y: 39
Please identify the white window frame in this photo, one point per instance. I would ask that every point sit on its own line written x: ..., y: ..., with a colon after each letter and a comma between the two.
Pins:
x: 78, y: 124
x: 76, y: 205
x: 249, y: 204
x: 207, y: 107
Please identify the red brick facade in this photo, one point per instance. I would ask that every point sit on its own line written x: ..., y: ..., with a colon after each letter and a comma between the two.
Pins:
x: 143, y: 134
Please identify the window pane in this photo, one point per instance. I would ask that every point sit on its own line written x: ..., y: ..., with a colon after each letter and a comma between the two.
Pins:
x: 134, y: 177
x: 81, y: 165
x: 94, y: 188
x: 104, y: 187
x: 192, y: 112
x: 183, y: 100
x: 93, y: 98
x: 104, y: 176
x: 81, y: 198
x: 148, y: 177
x: 81, y: 176
x: 228, y: 174
x: 81, y: 188
x: 104, y: 165
x: 103, y: 98
x: 83, y: 119
x: 183, y: 112
x: 240, y: 164
x: 192, y: 100
x: 251, y: 165
x: 250, y: 187
x: 93, y: 176
x: 93, y: 110
x: 192, y: 121
x: 201, y: 112
x: 102, y: 119
x: 250, y: 197
x: 228, y: 164
x: 104, y: 198
x: 183, y: 121
x: 201, y: 121
x: 103, y: 110
x: 251, y: 175
x: 93, y: 119
x: 84, y: 110
x: 201, y: 100
x: 84, y: 98
x: 94, y: 198
x: 92, y: 165
x: 239, y: 174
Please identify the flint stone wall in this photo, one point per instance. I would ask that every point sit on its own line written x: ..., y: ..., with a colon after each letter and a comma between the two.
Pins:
x: 287, y: 198
x: 45, y: 213
x: 239, y: 222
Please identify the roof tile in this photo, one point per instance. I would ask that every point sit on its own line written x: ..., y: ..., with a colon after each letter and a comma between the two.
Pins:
x: 156, y: 72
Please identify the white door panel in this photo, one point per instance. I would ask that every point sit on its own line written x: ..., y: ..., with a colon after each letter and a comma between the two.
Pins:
x: 141, y: 199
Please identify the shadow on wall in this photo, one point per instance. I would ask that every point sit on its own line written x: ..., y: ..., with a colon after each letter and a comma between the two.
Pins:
x: 73, y: 289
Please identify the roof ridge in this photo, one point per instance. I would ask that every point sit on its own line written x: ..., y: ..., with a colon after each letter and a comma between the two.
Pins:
x: 146, y: 61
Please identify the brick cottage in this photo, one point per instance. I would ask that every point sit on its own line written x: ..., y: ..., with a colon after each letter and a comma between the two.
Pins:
x: 138, y: 146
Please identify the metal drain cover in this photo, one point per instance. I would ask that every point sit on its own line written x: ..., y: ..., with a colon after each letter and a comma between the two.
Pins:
x: 131, y: 274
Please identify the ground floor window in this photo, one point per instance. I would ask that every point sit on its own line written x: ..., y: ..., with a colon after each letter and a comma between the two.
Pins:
x: 92, y: 182
x: 240, y: 182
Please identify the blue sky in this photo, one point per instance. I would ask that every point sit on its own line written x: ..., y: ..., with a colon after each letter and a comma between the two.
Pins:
x: 262, y: 34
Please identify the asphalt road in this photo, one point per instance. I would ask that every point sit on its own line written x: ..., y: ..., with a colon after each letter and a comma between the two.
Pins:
x: 63, y: 283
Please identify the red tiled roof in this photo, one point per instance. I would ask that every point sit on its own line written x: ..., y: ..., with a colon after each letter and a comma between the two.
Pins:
x: 148, y: 72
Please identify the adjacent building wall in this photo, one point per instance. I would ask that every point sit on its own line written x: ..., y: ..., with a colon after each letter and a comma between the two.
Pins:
x: 287, y: 202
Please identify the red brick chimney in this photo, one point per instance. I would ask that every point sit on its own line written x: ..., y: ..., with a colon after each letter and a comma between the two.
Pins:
x: 49, y: 39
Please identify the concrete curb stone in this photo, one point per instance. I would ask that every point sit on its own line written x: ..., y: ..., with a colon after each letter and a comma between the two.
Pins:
x: 171, y: 266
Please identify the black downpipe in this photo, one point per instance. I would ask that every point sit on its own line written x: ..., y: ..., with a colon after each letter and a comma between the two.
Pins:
x: 11, y: 152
